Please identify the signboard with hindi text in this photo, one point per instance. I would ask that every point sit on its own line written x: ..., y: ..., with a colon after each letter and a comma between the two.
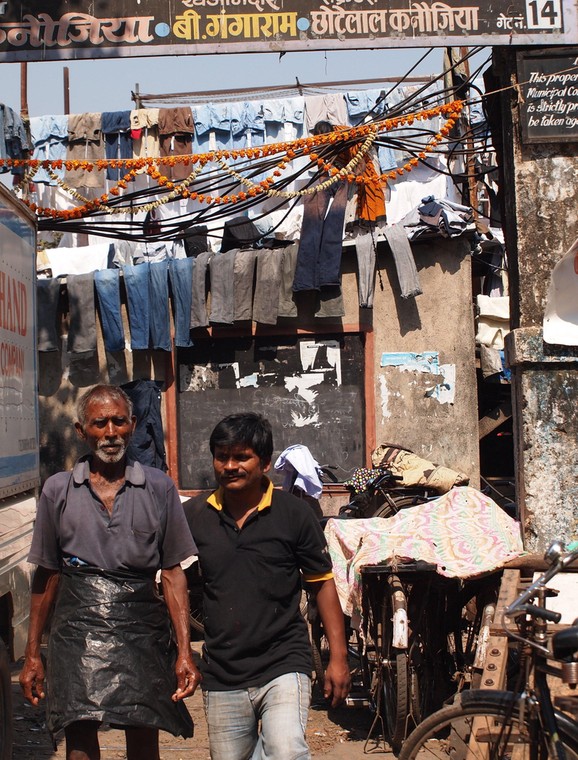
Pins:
x: 549, y: 84
x: 36, y: 30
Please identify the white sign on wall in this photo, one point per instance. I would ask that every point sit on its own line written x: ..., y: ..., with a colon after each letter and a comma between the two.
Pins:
x: 19, y: 461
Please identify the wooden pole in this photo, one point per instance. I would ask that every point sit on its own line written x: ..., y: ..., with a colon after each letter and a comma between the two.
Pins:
x: 24, y: 90
x: 66, y: 84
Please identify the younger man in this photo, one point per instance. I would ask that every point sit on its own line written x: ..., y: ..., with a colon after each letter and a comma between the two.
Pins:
x: 256, y: 545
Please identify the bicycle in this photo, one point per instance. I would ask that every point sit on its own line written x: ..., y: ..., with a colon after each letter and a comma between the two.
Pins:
x: 420, y: 640
x: 523, y: 722
x: 383, y: 495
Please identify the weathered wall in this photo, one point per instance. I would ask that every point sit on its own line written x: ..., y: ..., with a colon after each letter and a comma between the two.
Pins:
x: 440, y: 320
x: 62, y: 380
x: 540, y: 225
x: 546, y: 389
x: 413, y: 408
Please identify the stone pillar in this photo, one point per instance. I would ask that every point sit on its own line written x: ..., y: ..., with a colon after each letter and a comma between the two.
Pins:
x: 540, y: 190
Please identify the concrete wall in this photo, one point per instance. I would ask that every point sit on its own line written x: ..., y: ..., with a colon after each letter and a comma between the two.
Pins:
x: 412, y: 407
x: 540, y: 225
x: 403, y: 404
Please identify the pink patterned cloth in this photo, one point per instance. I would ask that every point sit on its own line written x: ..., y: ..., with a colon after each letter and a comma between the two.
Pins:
x: 463, y: 532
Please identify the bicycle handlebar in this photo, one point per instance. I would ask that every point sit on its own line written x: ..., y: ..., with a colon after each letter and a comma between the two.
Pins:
x: 530, y: 592
x: 539, y: 612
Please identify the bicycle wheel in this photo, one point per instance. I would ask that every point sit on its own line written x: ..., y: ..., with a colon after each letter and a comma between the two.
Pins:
x: 397, y: 502
x: 196, y: 615
x: 195, y: 587
x: 485, y: 724
x: 394, y: 669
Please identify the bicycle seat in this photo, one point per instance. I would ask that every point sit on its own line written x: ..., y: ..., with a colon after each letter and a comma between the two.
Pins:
x: 565, y: 643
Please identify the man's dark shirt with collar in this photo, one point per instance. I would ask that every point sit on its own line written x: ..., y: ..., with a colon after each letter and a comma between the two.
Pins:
x: 253, y: 576
x: 146, y: 531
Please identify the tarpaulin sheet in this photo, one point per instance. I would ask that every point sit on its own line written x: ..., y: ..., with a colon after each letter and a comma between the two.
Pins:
x: 111, y: 655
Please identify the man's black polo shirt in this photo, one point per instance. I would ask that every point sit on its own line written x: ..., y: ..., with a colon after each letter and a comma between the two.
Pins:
x: 252, y: 577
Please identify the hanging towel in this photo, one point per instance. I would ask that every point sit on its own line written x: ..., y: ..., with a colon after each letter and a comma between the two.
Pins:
x: 301, y: 470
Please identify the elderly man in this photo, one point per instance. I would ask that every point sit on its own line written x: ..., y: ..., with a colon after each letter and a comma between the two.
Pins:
x: 102, y: 532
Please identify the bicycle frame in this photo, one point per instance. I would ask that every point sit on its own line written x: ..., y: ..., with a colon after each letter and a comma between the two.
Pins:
x: 536, y: 699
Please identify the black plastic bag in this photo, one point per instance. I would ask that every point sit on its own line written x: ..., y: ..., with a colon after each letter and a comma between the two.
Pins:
x: 111, y: 656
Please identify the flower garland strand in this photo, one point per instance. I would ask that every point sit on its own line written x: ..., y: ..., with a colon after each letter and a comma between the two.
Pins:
x: 289, y: 151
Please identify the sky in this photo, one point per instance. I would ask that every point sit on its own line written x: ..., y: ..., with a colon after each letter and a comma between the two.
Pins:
x: 106, y: 85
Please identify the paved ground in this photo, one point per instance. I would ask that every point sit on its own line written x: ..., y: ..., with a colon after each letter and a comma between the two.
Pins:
x: 338, y: 735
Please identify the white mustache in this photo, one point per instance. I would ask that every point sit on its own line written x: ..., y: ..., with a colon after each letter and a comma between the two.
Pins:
x: 104, y: 444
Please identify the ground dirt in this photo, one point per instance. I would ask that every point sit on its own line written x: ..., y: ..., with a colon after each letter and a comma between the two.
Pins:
x: 333, y: 734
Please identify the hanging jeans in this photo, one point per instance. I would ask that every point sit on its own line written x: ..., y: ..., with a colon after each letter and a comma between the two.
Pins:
x: 321, y: 243
x: 160, y: 326
x: 267, y: 286
x: 136, y: 281
x: 47, y: 297
x: 199, y: 298
x: 244, y: 274
x: 365, y: 249
x: 107, y: 283
x: 147, y: 444
x: 287, y: 306
x: 404, y: 262
x: 181, y: 277
x: 82, y: 313
x: 221, y: 269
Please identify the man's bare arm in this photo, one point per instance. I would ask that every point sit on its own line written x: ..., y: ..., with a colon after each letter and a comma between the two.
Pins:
x: 176, y: 597
x: 44, y: 587
x: 337, y: 676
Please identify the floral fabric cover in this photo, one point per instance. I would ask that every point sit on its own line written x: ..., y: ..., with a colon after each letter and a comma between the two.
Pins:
x: 463, y: 532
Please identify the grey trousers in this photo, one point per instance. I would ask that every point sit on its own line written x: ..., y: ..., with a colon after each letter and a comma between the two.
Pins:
x: 267, y: 286
x: 82, y: 313
x: 287, y: 305
x: 365, y: 249
x: 243, y: 276
x: 199, y: 303
x: 404, y: 261
x: 221, y: 268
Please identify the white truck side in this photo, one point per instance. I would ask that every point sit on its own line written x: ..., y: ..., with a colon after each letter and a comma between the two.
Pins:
x: 19, y: 453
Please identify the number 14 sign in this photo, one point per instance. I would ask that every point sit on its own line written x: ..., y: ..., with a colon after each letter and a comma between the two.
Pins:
x: 543, y: 14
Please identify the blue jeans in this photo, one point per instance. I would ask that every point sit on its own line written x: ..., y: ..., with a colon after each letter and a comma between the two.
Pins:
x: 181, y: 278
x: 282, y: 706
x: 321, y: 243
x: 107, y: 285
x: 136, y: 282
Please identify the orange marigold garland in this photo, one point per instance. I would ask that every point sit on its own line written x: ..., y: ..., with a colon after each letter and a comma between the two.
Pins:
x: 288, y: 151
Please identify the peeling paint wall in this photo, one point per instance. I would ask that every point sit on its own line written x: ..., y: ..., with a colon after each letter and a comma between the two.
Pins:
x: 425, y: 383
x: 432, y: 412
x: 541, y: 224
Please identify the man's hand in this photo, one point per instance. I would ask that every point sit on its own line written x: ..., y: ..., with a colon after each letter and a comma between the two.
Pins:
x: 188, y: 677
x: 32, y: 680
x: 337, y: 681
